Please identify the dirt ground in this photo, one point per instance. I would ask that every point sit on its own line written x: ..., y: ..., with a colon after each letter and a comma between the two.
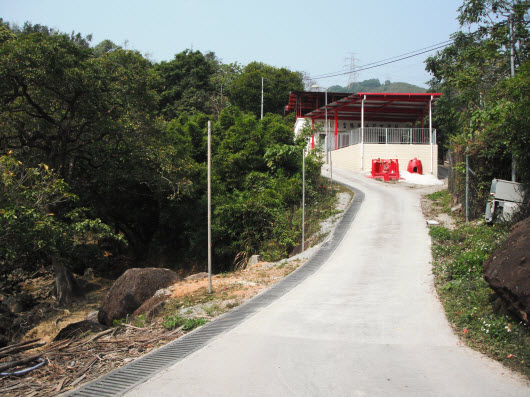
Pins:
x: 431, y: 211
x: 74, y: 362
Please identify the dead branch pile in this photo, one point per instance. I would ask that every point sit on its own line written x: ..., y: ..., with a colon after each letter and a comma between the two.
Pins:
x: 67, y: 364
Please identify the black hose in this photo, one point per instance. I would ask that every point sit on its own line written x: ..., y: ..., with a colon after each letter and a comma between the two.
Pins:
x: 41, y: 360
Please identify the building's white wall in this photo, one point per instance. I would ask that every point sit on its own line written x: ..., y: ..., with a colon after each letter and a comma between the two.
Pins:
x: 299, y: 124
x: 349, y: 158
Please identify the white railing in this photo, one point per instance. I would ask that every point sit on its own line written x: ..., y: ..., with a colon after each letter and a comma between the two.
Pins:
x: 410, y: 136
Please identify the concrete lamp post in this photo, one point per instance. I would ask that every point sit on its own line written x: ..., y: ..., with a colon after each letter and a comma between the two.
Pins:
x: 328, y: 155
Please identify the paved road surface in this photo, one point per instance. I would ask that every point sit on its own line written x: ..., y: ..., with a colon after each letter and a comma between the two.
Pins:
x: 367, y: 323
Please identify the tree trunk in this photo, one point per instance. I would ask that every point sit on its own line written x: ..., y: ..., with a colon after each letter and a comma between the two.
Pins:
x: 64, y: 282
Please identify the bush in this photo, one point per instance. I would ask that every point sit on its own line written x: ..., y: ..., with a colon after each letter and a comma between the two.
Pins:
x: 172, y: 322
x: 440, y: 233
x: 38, y: 220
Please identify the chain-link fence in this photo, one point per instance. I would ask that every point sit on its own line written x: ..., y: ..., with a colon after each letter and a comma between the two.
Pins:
x: 482, y: 170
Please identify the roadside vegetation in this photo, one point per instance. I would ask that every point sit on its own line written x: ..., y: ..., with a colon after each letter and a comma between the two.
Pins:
x: 476, y: 313
x: 103, y: 160
x: 484, y: 107
x: 482, y: 120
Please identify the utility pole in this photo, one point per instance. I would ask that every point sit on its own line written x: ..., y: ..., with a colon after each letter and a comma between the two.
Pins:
x: 512, y: 73
x: 331, y: 151
x: 512, y: 49
x: 303, y: 200
x: 209, y: 207
x: 467, y: 184
x: 328, y: 154
x: 262, y: 98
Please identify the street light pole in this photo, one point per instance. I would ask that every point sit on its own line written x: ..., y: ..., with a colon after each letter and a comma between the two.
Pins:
x: 327, y: 134
x: 262, y: 98
x: 330, y: 154
x: 209, y: 183
x: 303, y: 200
x: 329, y: 159
x: 512, y: 74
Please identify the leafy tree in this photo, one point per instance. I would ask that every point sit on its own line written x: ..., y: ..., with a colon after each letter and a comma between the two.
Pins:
x: 106, y: 138
x: 39, y: 228
x: 89, y: 119
x: 222, y: 82
x: 245, y: 91
x: 29, y: 28
x: 479, y: 98
x: 187, y: 80
x: 258, y: 178
x: 63, y: 105
x: 105, y: 46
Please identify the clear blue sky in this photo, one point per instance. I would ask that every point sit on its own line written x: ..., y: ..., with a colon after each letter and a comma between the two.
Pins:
x: 315, y: 37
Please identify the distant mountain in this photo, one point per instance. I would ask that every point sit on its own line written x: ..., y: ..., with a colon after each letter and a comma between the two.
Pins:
x: 374, y: 85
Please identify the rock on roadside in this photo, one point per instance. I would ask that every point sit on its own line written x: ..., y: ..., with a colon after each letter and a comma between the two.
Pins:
x: 79, y: 328
x: 131, y: 290
x: 507, y: 270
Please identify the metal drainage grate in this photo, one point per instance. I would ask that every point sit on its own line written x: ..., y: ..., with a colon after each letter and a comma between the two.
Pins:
x: 119, y: 381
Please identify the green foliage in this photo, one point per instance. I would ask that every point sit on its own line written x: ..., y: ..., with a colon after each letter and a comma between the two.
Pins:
x: 126, y: 140
x: 187, y: 83
x: 31, y: 233
x: 64, y: 106
x: 105, y: 46
x: 258, y: 177
x: 481, y: 107
x: 444, y: 198
x: 245, y: 89
x: 440, y: 233
x: 172, y: 322
x: 470, y: 304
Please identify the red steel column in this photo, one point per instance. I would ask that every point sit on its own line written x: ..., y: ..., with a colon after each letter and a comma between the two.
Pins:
x: 362, y: 133
x: 430, y: 135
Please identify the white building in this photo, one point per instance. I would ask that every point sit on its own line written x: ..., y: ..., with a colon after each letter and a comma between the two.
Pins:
x: 366, y: 126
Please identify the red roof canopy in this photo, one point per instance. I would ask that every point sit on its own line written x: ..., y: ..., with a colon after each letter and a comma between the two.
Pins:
x: 391, y: 107
x: 306, y: 101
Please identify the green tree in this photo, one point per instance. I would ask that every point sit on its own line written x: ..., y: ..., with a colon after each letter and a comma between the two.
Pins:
x: 105, y: 46
x: 222, y: 83
x: 258, y: 184
x: 187, y: 80
x: 245, y: 91
x: 479, y: 97
x: 92, y: 121
x: 62, y: 104
x: 40, y: 228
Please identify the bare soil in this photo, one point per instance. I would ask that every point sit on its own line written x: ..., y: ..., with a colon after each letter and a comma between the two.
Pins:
x: 74, y: 362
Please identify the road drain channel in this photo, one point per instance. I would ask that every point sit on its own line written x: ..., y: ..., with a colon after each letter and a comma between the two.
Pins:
x: 123, y: 379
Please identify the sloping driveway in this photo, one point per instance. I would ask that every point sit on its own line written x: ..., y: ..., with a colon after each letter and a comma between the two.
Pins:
x: 367, y: 323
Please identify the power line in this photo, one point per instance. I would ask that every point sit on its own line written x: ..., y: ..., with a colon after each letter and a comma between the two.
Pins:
x: 429, y: 48
x: 387, y: 61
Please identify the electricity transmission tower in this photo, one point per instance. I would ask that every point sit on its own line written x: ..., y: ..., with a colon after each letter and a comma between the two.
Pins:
x: 351, y: 66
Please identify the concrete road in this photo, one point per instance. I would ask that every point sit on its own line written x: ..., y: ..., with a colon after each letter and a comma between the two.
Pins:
x: 367, y: 323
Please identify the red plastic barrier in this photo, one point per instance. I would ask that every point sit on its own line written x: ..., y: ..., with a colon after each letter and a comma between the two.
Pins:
x: 415, y: 166
x: 386, y: 169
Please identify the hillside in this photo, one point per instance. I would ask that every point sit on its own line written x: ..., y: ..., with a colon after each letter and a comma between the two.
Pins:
x: 374, y: 85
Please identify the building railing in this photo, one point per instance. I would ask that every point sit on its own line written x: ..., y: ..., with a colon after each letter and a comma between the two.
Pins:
x: 404, y: 136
